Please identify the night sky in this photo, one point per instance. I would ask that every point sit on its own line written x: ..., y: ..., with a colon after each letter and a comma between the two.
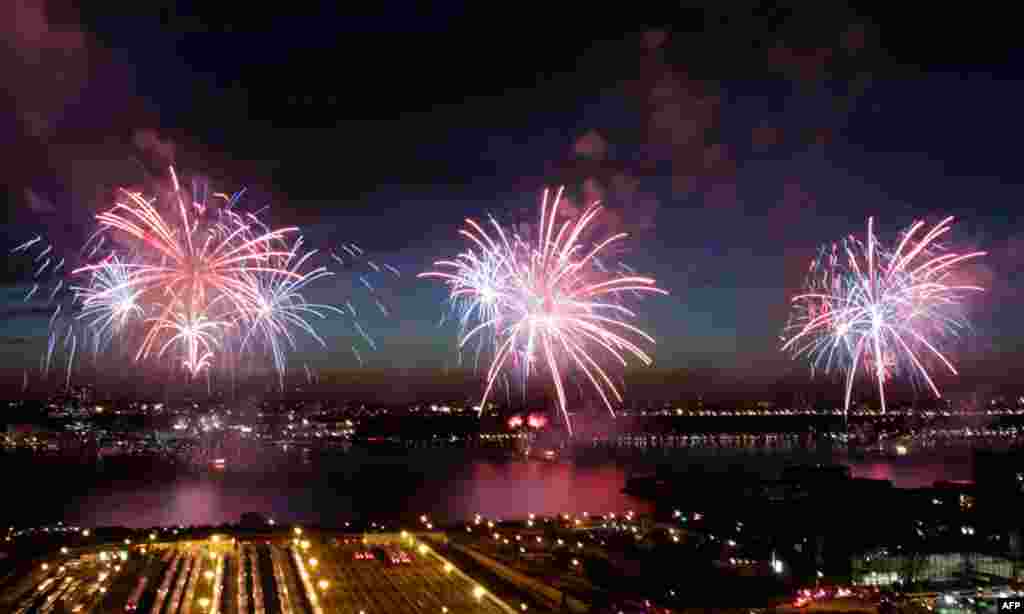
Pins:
x: 730, y: 144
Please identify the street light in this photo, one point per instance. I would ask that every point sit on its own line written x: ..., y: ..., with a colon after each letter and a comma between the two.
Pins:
x: 423, y: 548
x: 478, y: 592
x: 298, y: 530
x: 313, y: 563
x: 208, y: 575
x: 323, y: 584
x: 204, y: 603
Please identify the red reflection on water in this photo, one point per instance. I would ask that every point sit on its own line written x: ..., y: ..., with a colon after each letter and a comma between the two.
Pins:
x: 875, y: 471
x: 449, y: 484
x: 519, y: 488
x: 917, y: 472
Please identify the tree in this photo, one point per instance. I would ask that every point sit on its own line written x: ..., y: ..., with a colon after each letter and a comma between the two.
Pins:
x: 602, y: 573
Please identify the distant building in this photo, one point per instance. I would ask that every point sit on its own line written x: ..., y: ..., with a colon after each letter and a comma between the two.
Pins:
x: 1000, y: 472
x: 949, y: 568
x: 1000, y: 493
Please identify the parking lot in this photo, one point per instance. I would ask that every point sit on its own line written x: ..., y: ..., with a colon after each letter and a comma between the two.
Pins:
x: 300, y: 575
x: 424, y: 584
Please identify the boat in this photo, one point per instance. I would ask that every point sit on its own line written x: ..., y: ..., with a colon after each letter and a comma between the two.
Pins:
x: 543, y: 453
x: 888, y: 447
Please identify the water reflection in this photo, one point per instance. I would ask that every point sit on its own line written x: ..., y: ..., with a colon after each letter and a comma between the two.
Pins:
x: 399, y: 485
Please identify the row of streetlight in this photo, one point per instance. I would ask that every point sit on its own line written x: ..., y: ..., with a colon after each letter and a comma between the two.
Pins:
x: 478, y: 591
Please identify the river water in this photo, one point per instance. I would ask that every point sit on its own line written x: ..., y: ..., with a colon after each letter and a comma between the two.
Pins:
x: 447, y: 483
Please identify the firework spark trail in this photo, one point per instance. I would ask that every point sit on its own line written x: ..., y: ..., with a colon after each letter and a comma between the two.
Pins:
x: 51, y: 284
x: 350, y: 257
x: 475, y: 288
x: 109, y: 301
x: 545, y: 303
x: 886, y: 312
x: 188, y: 274
x: 280, y: 307
x: 191, y: 269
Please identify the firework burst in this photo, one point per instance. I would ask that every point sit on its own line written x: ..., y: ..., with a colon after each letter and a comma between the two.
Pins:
x: 188, y: 277
x: 546, y: 304
x: 108, y: 301
x: 190, y: 267
x: 884, y: 312
x: 280, y: 308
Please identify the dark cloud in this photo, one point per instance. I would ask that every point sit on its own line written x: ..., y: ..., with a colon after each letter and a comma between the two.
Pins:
x: 591, y: 145
x: 149, y: 142
x: 797, y: 202
x: 27, y: 27
x: 854, y: 39
x: 721, y: 195
x: 800, y: 64
x: 681, y: 116
x: 682, y: 134
x: 764, y: 136
x: 38, y: 204
x: 48, y: 63
x: 999, y: 272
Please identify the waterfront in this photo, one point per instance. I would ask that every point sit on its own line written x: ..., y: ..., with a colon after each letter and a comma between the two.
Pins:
x: 301, y: 485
